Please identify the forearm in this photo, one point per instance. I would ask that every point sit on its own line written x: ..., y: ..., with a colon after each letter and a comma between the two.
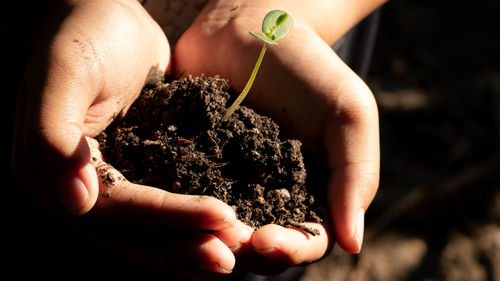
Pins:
x: 330, y: 19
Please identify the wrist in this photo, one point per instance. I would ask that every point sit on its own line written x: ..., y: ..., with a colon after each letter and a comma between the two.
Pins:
x: 330, y: 19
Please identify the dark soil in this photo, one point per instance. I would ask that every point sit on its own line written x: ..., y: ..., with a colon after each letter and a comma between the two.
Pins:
x: 173, y: 138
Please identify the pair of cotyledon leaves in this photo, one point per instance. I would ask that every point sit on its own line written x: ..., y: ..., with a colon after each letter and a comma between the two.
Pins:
x: 275, y: 26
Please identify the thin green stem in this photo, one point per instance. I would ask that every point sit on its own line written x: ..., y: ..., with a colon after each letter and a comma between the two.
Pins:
x: 245, y: 91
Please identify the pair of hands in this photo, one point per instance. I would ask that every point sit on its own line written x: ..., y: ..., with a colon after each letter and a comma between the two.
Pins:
x: 91, y: 66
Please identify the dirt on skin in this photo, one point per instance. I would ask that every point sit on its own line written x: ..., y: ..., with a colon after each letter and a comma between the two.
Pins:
x: 173, y: 138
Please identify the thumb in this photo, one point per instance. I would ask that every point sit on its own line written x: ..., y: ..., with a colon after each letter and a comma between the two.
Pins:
x: 351, y: 190
x: 352, y: 146
x: 73, y: 177
x: 56, y: 105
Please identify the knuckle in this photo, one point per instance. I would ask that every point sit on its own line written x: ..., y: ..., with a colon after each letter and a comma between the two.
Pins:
x: 359, y: 110
x: 369, y: 176
x: 73, y: 59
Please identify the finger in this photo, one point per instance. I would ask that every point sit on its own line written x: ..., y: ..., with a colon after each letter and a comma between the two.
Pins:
x: 137, y: 204
x: 237, y: 238
x: 201, y: 252
x: 350, y: 192
x: 175, y: 253
x: 275, y: 249
x: 58, y: 92
x: 290, y: 246
x: 351, y: 141
x: 144, y: 205
x: 59, y: 168
x: 55, y: 140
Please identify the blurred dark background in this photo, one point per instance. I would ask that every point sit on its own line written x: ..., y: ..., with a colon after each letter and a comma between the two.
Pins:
x: 436, y: 76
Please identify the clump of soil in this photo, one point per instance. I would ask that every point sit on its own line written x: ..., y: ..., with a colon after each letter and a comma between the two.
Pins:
x: 173, y: 138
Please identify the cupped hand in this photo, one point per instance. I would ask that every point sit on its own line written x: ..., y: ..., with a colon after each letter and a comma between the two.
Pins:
x: 87, y: 68
x: 89, y: 63
x: 313, y: 96
x: 170, y: 233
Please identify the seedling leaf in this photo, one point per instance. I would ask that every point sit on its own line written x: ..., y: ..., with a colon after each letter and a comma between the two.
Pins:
x: 277, y: 24
x: 263, y: 38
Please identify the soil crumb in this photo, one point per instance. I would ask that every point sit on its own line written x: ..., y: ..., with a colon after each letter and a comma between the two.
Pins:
x: 173, y: 138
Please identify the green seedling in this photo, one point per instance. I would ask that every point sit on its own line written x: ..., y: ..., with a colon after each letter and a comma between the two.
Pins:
x: 275, y: 26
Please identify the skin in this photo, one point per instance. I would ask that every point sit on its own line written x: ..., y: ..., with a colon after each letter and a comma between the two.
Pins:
x: 74, y: 87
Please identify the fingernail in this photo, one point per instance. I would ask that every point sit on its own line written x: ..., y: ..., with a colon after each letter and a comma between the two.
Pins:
x: 73, y: 194
x: 219, y: 223
x: 235, y: 247
x: 360, y: 229
x: 266, y: 250
x: 223, y: 270
x: 217, y: 268
x: 272, y: 252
